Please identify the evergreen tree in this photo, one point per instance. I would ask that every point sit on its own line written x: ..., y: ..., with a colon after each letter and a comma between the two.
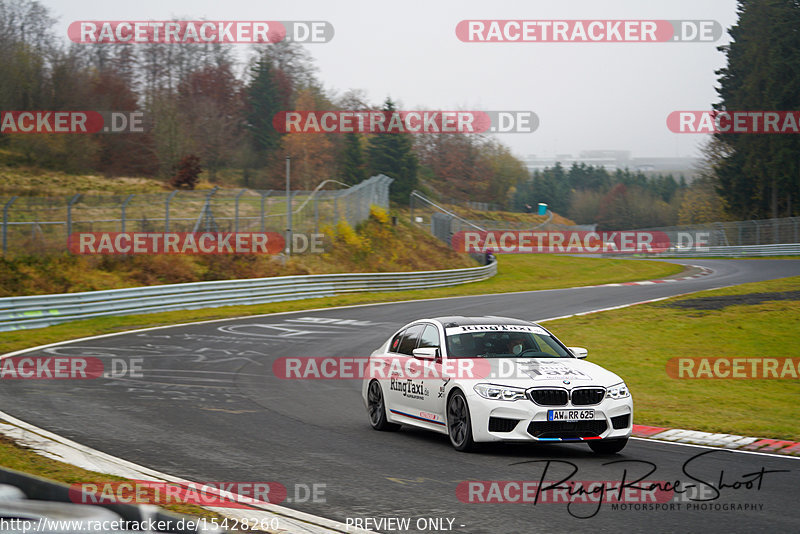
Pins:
x: 759, y: 175
x: 263, y: 103
x: 392, y: 155
x: 351, y: 164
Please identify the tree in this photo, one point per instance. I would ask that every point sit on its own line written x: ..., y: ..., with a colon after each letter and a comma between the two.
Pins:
x: 188, y: 173
x: 551, y: 187
x: 392, y: 155
x: 759, y: 175
x: 700, y: 203
x: 312, y: 153
x: 263, y: 103
x: 352, y: 168
x: 210, y: 102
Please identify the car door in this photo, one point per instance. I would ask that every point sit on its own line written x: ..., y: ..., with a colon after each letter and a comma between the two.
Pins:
x: 433, y: 386
x: 397, y: 387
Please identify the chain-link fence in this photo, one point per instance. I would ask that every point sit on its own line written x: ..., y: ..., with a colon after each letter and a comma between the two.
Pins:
x: 41, y: 224
x: 739, y: 233
x: 443, y: 222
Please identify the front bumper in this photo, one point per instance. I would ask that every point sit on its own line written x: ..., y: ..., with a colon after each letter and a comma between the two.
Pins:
x: 493, y: 420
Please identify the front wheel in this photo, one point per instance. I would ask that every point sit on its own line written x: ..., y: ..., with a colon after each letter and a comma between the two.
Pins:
x: 376, y: 408
x: 459, y: 423
x: 608, y: 446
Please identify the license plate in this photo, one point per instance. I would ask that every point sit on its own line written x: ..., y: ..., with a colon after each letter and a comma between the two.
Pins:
x: 570, y: 415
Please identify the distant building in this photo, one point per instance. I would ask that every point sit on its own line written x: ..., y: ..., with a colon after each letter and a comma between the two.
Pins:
x: 612, y: 160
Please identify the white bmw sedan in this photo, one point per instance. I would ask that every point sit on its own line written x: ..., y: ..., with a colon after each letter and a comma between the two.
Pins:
x: 482, y: 379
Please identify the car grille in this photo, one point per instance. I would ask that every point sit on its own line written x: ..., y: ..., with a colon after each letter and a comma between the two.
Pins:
x: 588, y: 396
x: 501, y: 424
x: 549, y: 397
x: 620, y: 421
x: 567, y: 429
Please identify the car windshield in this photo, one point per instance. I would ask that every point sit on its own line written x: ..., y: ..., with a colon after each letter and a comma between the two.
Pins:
x: 504, y: 344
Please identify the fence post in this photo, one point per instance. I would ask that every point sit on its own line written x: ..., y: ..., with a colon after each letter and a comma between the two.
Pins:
x: 124, y: 207
x: 71, y: 203
x: 263, y: 199
x: 207, y: 209
x: 288, y: 206
x: 5, y: 224
x: 316, y: 214
x: 794, y: 219
x: 236, y: 216
x: 166, y: 209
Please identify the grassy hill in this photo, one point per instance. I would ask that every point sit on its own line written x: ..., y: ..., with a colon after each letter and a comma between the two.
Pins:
x: 375, y: 245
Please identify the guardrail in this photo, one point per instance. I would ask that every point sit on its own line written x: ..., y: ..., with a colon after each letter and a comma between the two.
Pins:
x: 736, y: 251
x: 37, y: 311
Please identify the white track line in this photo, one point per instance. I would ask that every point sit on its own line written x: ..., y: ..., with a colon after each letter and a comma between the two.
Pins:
x: 65, y: 450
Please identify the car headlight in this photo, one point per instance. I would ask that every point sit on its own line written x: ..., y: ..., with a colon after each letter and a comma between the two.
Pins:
x: 618, y: 391
x: 494, y: 392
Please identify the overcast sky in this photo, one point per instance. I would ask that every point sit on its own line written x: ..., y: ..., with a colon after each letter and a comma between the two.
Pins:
x: 588, y: 96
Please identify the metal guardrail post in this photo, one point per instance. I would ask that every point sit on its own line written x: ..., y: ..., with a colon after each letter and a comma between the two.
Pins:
x: 124, y: 207
x: 166, y: 209
x: 5, y: 224
x: 44, y: 310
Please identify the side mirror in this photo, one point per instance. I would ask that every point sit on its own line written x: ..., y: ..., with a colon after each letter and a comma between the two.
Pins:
x: 579, y: 352
x: 428, y: 353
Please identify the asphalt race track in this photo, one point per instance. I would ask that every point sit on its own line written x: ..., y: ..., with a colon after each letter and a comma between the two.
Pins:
x: 208, y: 408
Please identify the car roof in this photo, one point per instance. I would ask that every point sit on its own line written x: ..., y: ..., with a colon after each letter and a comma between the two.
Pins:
x: 460, y: 320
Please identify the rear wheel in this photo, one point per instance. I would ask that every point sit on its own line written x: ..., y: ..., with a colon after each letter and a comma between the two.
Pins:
x: 376, y: 408
x: 459, y: 423
x: 608, y: 446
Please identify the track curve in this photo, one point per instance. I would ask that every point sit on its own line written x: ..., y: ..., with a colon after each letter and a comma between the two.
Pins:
x: 208, y: 407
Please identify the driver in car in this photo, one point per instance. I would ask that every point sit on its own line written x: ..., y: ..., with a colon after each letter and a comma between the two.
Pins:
x: 516, y: 344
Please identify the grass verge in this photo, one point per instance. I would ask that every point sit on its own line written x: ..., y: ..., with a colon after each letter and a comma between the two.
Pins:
x: 516, y: 273
x: 637, y: 342
x: 15, y: 456
x: 520, y: 272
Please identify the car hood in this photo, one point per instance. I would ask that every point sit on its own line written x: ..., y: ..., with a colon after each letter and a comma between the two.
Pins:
x: 530, y: 372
